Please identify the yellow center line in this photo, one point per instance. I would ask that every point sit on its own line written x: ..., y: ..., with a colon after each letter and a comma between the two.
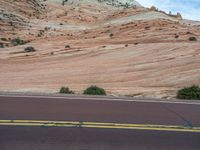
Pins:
x: 98, y: 125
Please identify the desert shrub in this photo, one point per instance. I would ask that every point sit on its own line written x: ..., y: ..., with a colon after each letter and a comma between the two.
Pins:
x: 18, y: 41
x: 41, y: 33
x: 63, y: 2
x: 126, y: 45
x: 111, y: 35
x: 94, y: 90
x: 47, y: 28
x: 153, y: 8
x: 4, y: 39
x: 192, y: 92
x: 192, y: 39
x: 29, y: 49
x: 67, y: 46
x: 65, y: 90
x: 1, y: 45
x: 176, y: 36
x: 147, y: 27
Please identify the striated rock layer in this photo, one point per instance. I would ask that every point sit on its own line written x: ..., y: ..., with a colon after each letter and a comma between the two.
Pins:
x: 132, y: 51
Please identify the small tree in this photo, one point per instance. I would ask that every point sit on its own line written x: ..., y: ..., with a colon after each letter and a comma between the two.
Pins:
x: 192, y: 92
x: 65, y: 90
x: 94, y: 90
x: 63, y: 2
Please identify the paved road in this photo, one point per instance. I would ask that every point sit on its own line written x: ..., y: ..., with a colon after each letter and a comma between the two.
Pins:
x: 70, y: 109
x: 96, y: 110
x: 54, y: 138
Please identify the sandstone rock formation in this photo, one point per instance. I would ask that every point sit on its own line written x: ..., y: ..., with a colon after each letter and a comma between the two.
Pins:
x: 133, y: 51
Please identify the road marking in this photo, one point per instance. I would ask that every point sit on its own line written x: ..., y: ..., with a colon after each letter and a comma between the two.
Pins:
x: 101, y: 125
x: 104, y: 99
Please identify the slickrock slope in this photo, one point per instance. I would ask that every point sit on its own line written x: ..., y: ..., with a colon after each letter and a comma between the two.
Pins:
x: 15, y: 15
x: 132, y: 51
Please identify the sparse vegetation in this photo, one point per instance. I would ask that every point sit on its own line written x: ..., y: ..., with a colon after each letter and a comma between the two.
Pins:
x: 1, y: 45
x: 4, y: 39
x: 192, y: 92
x: 65, y: 90
x: 176, y: 36
x: 111, y: 35
x: 192, y: 38
x: 18, y: 41
x: 94, y: 90
x: 67, y: 46
x: 153, y: 8
x: 41, y: 33
x: 29, y: 49
x: 47, y: 28
x: 147, y: 27
x: 63, y: 2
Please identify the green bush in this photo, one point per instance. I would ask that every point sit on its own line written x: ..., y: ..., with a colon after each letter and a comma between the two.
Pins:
x: 66, y: 90
x: 18, y: 41
x: 94, y: 90
x: 192, y: 92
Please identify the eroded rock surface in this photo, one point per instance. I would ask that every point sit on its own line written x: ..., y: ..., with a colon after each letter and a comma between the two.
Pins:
x: 128, y: 51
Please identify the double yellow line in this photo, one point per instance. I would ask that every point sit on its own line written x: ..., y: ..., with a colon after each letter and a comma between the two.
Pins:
x: 98, y: 125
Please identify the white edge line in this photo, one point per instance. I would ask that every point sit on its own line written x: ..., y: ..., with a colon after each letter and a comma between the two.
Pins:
x: 102, y: 99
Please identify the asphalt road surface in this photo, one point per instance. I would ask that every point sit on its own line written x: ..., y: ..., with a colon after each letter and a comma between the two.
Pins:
x: 96, y: 110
